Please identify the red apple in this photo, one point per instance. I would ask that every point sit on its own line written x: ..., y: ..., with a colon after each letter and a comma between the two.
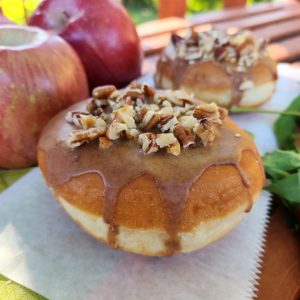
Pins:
x: 40, y: 74
x: 101, y: 32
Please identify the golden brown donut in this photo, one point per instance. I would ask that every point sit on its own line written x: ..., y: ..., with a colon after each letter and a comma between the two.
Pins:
x: 172, y: 200
x: 230, y: 70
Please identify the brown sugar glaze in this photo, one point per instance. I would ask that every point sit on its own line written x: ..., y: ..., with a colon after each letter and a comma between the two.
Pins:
x: 124, y: 162
x: 180, y: 66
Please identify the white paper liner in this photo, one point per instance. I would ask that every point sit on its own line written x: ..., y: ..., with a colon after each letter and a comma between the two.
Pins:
x: 42, y: 248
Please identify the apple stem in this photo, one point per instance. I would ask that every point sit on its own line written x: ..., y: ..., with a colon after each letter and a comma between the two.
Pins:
x: 237, y: 110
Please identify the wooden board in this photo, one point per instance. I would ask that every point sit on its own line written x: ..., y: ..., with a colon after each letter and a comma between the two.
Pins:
x: 238, y: 13
x: 286, y: 50
x: 161, y: 26
x: 261, y: 19
x: 280, y: 273
x: 279, y: 30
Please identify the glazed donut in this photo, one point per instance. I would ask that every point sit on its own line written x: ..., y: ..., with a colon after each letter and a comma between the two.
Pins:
x: 151, y: 172
x: 230, y: 70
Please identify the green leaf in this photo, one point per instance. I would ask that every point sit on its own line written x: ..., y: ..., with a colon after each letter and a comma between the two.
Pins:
x: 286, y: 126
x: 280, y: 163
x: 10, y: 290
x: 288, y: 189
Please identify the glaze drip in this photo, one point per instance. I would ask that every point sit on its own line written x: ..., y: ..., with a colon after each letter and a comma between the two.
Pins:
x: 179, y: 67
x: 123, y: 162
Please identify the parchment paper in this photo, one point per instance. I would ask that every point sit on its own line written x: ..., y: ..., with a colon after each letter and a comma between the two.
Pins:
x: 41, y: 247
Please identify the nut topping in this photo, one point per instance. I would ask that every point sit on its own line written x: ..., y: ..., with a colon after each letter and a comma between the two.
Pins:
x: 103, y: 92
x: 167, y: 121
x: 238, y: 52
x: 79, y: 137
x: 184, y: 136
x: 165, y: 139
x: 104, y: 143
x: 148, y: 142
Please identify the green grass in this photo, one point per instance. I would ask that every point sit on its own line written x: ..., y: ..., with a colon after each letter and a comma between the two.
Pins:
x: 8, y: 177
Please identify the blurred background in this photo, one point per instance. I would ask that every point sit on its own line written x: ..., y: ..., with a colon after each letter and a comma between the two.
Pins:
x: 147, y: 10
x: 140, y: 10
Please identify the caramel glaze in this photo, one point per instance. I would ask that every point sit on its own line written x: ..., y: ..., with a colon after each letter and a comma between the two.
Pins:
x: 179, y: 67
x: 123, y: 162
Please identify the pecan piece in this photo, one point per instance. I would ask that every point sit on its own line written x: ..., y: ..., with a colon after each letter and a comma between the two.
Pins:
x: 103, y: 92
x: 125, y: 114
x: 148, y: 142
x: 167, y: 123
x: 174, y: 149
x: 206, y: 132
x: 140, y: 114
x: 184, y: 136
x: 134, y: 94
x: 152, y: 122
x: 104, y: 143
x: 115, y: 130
x: 164, y: 140
x: 94, y: 106
x: 209, y: 111
x: 79, y: 137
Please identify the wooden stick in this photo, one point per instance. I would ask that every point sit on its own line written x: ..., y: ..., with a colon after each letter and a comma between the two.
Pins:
x: 234, y: 3
x: 171, y: 8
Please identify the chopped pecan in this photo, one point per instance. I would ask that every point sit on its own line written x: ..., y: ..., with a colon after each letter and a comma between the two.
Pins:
x: 209, y: 111
x: 152, y: 122
x: 74, y: 116
x: 175, y: 38
x: 239, y: 50
x: 125, y: 114
x: 174, y: 149
x: 179, y: 97
x: 188, y: 121
x: 145, y: 88
x: 168, y: 122
x: 132, y: 134
x: 85, y: 120
x: 220, y: 52
x: 140, y: 114
x: 129, y: 115
x: 148, y: 142
x: 184, y: 136
x: 206, y: 132
x: 115, y: 130
x: 94, y: 106
x: 104, y: 143
x: 167, y: 110
x: 134, y: 94
x: 79, y: 137
x: 164, y: 140
x: 165, y: 119
x: 103, y: 92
